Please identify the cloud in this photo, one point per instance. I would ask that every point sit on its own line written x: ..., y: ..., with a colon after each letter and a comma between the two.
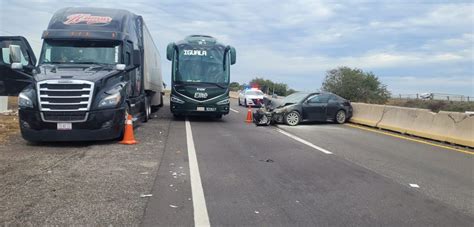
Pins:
x: 297, y: 42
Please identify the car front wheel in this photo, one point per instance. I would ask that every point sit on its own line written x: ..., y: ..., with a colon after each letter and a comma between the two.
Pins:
x: 292, y: 118
x: 341, y: 117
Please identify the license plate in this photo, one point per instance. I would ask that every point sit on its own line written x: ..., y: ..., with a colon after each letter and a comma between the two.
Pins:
x: 64, y: 126
x: 210, y: 109
x: 200, y: 109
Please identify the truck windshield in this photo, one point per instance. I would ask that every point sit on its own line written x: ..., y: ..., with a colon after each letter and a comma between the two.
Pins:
x: 80, y: 52
x: 203, y: 65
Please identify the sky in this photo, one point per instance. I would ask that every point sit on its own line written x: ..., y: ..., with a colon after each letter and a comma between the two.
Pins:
x: 412, y: 46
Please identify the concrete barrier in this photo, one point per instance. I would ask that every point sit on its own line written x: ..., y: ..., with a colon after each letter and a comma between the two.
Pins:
x: 422, y: 125
x: 367, y: 114
x: 463, y: 129
x: 456, y: 128
x: 397, y: 119
x: 234, y: 94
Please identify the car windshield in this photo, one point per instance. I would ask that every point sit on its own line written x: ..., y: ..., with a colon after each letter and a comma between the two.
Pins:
x: 253, y: 93
x: 201, y: 65
x: 295, y: 97
x: 80, y: 52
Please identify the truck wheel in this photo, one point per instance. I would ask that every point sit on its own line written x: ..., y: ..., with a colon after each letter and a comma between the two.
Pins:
x: 147, y: 110
x: 161, y: 100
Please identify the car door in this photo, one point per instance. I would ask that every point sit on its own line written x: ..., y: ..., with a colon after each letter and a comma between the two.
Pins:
x: 315, y: 108
x: 13, y: 81
x: 333, y: 106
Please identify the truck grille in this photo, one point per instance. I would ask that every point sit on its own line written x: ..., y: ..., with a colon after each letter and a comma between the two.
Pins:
x: 65, y: 100
x: 63, y: 116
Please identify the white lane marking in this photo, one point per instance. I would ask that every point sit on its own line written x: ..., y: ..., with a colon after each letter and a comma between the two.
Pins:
x: 201, y: 218
x: 304, y: 142
x: 235, y: 111
x: 414, y: 186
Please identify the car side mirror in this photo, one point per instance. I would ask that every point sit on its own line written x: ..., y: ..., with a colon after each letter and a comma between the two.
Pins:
x: 137, y: 58
x: 170, y: 51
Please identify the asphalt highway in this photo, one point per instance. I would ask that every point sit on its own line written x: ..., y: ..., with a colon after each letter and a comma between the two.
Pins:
x: 203, y: 171
x: 308, y: 175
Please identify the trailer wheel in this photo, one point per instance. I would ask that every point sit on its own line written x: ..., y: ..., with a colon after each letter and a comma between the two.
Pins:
x: 161, y: 100
x: 147, y: 110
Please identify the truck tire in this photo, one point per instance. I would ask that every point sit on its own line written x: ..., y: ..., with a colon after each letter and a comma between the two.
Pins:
x: 161, y: 100
x: 147, y: 109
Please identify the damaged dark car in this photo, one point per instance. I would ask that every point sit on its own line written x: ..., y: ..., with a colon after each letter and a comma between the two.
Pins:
x: 304, y: 107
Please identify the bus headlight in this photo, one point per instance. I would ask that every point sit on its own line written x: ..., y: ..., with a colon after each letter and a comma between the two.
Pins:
x: 176, y: 100
x: 24, y: 100
x: 110, y: 101
x: 223, y: 102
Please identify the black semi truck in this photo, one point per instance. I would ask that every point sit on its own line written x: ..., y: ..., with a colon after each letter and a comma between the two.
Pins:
x: 96, y: 67
x: 200, y: 76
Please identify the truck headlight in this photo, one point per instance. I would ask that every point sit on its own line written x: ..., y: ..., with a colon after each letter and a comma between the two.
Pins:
x: 110, y: 101
x: 176, y: 100
x: 24, y: 100
x: 223, y: 102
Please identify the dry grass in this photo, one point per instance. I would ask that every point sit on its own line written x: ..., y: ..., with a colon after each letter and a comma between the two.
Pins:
x: 9, y: 122
x: 8, y: 125
x: 433, y: 105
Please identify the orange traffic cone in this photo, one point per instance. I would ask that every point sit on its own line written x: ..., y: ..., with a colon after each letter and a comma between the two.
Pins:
x: 249, y: 115
x: 128, y: 137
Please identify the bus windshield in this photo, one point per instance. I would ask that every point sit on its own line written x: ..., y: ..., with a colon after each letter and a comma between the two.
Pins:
x: 201, y: 65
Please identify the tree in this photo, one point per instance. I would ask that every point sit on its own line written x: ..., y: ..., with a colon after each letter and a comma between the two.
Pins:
x: 235, y: 86
x: 355, y: 85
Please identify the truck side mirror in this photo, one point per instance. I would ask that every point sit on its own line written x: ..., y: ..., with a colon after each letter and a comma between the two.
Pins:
x: 15, y: 57
x: 170, y: 51
x: 137, y: 58
x: 233, y: 55
x: 15, y: 53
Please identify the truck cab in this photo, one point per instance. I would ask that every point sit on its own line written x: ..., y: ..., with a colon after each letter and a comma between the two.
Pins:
x: 92, y: 72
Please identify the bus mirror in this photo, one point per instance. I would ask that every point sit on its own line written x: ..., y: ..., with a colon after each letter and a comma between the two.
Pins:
x: 170, y: 51
x: 233, y: 56
x: 137, y: 58
x: 15, y: 54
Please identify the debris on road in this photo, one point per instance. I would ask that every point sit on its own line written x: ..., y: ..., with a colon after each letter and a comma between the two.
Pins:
x: 146, y: 195
x: 173, y: 206
x: 414, y: 186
